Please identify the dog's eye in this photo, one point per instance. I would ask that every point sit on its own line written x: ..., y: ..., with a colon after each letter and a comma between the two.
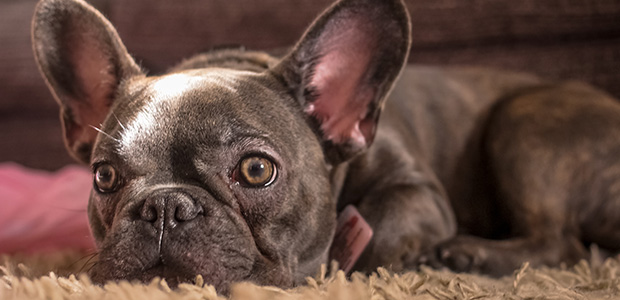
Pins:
x: 257, y: 171
x: 106, y: 178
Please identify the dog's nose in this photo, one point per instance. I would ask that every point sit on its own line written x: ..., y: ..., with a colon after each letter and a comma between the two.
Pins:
x: 173, y: 208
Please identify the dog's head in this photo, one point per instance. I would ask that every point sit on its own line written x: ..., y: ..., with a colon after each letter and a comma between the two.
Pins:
x: 213, y: 171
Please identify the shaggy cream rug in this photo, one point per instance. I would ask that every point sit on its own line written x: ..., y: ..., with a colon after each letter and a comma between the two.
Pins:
x: 59, y: 276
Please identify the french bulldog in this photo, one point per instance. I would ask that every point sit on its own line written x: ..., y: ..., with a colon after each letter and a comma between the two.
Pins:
x: 235, y: 164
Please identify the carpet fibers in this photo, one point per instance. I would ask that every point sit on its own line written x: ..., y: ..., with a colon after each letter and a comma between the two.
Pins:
x: 60, y: 276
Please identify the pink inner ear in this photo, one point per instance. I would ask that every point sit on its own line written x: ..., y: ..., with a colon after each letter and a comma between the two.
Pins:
x: 92, y: 67
x: 343, y: 98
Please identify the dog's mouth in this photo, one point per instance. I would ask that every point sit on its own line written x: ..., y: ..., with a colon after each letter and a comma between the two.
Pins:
x: 215, y: 273
x: 144, y: 266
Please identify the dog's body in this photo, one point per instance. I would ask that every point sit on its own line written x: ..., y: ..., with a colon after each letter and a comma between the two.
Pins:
x: 516, y: 158
x: 529, y: 167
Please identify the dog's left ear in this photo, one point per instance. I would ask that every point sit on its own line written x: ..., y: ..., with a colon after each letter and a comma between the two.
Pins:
x: 343, y: 68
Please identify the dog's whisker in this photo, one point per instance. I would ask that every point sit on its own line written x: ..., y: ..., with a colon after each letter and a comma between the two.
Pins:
x: 105, y: 133
x: 119, y: 122
x: 88, y: 257
x: 92, y: 266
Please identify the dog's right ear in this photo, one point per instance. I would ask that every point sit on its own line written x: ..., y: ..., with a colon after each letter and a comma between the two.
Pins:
x: 83, y: 61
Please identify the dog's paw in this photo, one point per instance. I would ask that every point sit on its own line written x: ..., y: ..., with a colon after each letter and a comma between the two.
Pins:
x: 456, y: 255
x: 459, y: 259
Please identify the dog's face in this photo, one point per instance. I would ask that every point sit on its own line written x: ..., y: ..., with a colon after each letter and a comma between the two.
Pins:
x: 193, y: 177
x: 218, y: 172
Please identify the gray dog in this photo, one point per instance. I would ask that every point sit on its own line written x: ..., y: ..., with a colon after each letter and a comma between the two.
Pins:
x: 235, y: 165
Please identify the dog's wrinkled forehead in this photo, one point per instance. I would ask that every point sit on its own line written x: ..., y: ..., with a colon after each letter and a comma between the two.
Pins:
x: 181, y: 110
x: 164, y: 99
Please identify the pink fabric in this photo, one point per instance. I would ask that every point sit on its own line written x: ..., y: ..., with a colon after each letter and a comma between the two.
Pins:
x: 42, y: 211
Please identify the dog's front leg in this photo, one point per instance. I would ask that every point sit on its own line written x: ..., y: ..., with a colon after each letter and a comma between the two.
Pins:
x: 406, y: 220
x: 404, y: 205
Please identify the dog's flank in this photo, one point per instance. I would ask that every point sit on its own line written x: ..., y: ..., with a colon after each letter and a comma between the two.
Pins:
x: 234, y: 164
